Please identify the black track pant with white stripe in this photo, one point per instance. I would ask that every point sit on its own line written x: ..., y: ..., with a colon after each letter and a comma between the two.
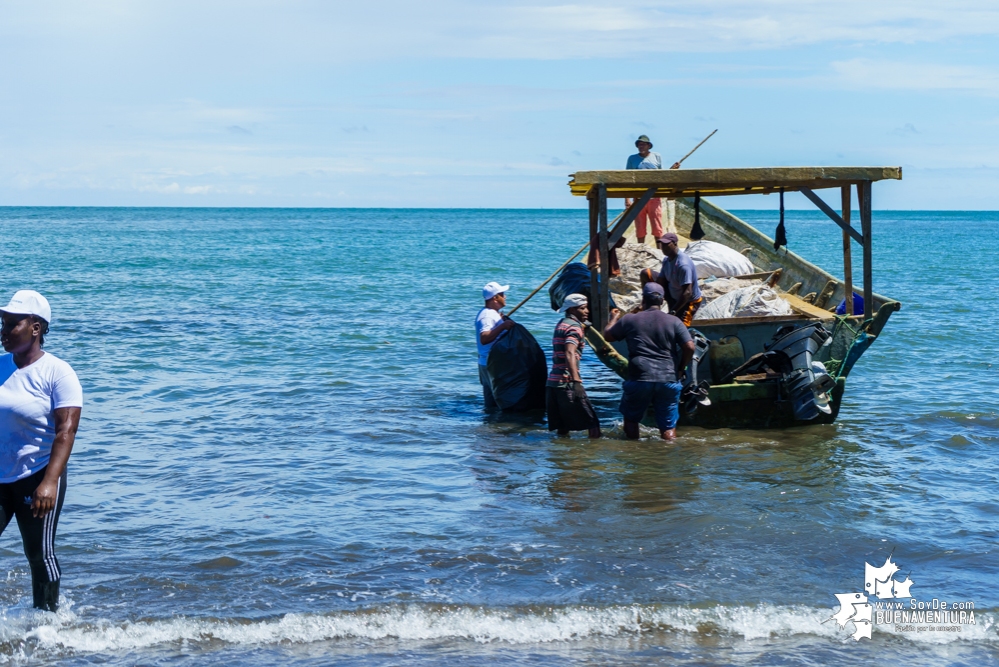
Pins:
x: 37, y: 534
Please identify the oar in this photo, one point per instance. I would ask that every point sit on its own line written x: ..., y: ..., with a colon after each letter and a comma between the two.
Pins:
x: 680, y: 161
x: 559, y: 269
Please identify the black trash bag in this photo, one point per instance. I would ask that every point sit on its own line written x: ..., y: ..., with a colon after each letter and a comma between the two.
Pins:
x: 574, y: 279
x: 518, y: 371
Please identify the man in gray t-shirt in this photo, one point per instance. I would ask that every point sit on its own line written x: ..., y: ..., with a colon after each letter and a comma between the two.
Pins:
x: 679, y: 276
x: 659, y: 350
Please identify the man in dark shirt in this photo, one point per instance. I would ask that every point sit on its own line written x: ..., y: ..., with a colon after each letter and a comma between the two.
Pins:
x: 659, y: 350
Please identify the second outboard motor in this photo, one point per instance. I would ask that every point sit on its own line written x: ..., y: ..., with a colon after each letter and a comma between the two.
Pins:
x: 806, y: 389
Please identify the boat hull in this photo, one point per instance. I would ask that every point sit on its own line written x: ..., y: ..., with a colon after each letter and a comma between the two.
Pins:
x: 761, y: 404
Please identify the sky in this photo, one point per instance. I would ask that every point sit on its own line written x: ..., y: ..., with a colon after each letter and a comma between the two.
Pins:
x: 452, y: 103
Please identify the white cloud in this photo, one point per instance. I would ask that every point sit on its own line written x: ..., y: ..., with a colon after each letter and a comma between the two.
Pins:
x: 863, y: 73
x: 264, y: 32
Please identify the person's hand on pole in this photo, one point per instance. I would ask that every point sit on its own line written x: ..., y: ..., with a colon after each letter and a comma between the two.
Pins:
x: 676, y: 165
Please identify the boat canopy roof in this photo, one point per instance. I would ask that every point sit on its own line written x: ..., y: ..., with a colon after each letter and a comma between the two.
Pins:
x: 717, y: 182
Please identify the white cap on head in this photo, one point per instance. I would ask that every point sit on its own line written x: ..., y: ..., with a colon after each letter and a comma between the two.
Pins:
x: 492, y: 289
x: 28, y: 302
x: 572, y: 301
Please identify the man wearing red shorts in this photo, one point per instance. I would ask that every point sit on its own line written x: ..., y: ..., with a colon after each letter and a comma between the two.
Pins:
x: 652, y: 214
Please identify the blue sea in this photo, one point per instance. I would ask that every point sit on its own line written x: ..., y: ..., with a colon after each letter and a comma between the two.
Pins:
x: 283, y: 457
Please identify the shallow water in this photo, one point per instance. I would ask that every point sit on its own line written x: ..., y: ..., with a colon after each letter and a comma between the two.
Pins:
x: 283, y: 458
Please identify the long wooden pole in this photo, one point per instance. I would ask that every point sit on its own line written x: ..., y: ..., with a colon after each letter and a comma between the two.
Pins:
x: 559, y: 269
x: 548, y: 279
x: 680, y: 161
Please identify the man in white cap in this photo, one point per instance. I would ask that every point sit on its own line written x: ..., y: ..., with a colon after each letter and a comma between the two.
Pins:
x: 569, y: 407
x: 490, y: 324
x: 40, y: 404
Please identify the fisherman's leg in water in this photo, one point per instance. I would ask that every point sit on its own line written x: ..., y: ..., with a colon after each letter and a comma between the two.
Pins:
x: 487, y: 391
x: 37, y: 535
x: 666, y: 403
x: 569, y: 409
x: 635, y: 399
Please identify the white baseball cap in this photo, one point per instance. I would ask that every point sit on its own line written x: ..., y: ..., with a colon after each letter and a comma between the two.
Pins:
x: 28, y: 302
x: 572, y: 301
x: 492, y: 289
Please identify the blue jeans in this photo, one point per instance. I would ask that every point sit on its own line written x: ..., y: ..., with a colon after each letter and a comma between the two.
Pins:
x: 664, y: 396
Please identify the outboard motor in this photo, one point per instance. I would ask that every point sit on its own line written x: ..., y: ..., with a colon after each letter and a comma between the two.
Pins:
x: 695, y: 393
x: 806, y: 388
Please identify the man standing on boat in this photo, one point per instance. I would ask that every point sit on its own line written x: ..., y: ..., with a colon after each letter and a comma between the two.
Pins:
x: 679, y: 276
x: 659, y: 350
x: 569, y: 407
x: 652, y: 214
x: 490, y: 324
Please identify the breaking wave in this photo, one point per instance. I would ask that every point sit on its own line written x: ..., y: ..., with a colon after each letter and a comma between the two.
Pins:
x: 513, y: 625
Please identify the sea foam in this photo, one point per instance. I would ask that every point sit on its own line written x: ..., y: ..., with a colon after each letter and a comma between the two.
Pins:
x: 513, y: 625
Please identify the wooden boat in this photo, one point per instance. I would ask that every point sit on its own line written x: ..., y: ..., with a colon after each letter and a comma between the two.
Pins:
x: 740, y: 398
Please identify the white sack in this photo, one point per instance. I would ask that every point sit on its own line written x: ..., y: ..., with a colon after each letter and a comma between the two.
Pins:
x: 627, y: 288
x: 745, y: 302
x: 715, y: 259
x: 712, y: 288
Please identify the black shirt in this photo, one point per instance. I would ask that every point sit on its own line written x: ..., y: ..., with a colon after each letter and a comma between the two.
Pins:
x: 655, y: 342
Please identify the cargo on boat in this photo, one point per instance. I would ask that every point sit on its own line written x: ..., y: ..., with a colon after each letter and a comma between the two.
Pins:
x: 758, y: 370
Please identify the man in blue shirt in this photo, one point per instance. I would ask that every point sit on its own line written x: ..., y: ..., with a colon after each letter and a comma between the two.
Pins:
x: 679, y: 276
x: 653, y: 211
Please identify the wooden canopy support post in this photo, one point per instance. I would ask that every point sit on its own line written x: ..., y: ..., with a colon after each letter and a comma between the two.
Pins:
x: 847, y: 260
x: 864, y: 201
x: 603, y: 300
x: 594, y: 226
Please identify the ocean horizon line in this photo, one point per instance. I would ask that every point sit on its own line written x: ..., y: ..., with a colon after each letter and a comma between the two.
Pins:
x: 435, y: 208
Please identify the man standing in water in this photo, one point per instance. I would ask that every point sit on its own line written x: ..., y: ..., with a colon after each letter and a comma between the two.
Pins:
x: 653, y: 211
x: 490, y: 324
x: 659, y: 350
x: 679, y: 276
x: 569, y: 407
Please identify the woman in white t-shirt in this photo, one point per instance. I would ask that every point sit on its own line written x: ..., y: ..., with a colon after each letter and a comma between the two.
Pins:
x: 40, y: 404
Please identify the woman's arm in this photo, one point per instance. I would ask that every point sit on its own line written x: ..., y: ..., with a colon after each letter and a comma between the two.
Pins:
x: 67, y: 421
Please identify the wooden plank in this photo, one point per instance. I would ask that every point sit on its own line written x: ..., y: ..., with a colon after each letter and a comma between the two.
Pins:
x: 847, y: 252
x: 629, y: 217
x: 833, y: 215
x: 799, y: 305
x: 727, y: 181
x: 604, y: 299
x: 864, y: 200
